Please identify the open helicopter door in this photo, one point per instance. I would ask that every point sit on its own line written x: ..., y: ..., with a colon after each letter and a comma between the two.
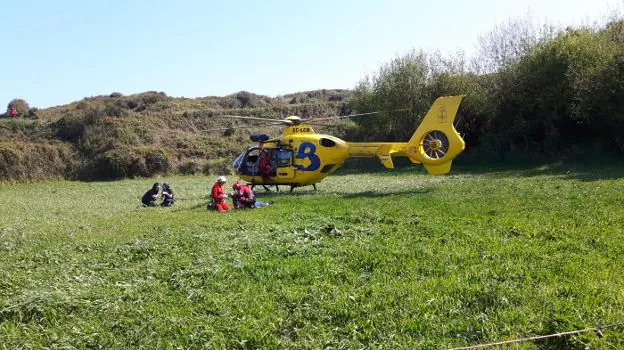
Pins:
x: 247, y: 162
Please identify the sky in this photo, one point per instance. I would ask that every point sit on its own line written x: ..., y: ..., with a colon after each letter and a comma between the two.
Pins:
x: 57, y: 52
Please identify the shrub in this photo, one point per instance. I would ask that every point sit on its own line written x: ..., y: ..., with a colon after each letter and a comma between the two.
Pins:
x: 114, y: 110
x: 21, y: 106
x: 69, y: 129
x: 32, y: 113
x: 230, y: 130
x: 216, y: 167
x: 189, y: 168
x: 35, y: 161
x: 156, y: 161
x: 126, y: 162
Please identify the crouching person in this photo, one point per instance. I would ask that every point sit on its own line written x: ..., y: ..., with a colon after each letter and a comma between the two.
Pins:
x: 243, y: 196
x: 218, y: 196
x: 149, y: 197
x: 167, y: 196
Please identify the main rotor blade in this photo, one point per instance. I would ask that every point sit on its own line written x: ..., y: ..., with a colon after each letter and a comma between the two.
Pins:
x: 356, y: 115
x: 244, y: 127
x: 319, y: 124
x: 288, y: 122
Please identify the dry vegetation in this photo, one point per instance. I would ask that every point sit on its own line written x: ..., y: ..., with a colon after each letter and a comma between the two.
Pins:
x: 111, y: 137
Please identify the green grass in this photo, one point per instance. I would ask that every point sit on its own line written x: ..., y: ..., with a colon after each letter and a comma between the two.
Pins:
x: 397, y: 260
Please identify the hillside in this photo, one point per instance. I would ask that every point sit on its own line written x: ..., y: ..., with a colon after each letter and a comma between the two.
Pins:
x: 116, y: 136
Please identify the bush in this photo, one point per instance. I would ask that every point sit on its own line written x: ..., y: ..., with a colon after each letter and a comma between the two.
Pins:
x: 129, y: 163
x: 156, y: 161
x: 189, y: 168
x: 411, y: 81
x: 229, y: 131
x: 21, y: 106
x: 32, y: 113
x: 35, y: 161
x: 69, y: 129
x: 114, y: 111
x: 216, y: 167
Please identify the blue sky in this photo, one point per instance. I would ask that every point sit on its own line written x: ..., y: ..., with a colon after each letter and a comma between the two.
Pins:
x: 56, y: 52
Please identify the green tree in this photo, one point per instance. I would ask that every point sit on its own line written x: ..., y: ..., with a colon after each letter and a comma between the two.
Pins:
x: 414, y: 81
x: 400, y: 84
x: 21, y: 106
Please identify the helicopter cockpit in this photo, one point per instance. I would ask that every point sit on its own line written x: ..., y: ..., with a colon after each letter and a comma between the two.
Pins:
x: 248, y: 162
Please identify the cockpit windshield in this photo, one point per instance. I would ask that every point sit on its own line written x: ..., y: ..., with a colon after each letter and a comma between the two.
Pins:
x: 236, y: 163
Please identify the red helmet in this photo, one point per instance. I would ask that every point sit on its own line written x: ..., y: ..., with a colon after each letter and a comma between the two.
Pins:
x: 236, y: 186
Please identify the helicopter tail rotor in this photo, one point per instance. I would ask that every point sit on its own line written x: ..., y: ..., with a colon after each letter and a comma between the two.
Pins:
x: 436, y: 142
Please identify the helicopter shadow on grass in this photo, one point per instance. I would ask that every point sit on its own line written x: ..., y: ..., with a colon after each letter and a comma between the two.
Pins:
x: 376, y: 194
x: 364, y: 194
x: 371, y: 166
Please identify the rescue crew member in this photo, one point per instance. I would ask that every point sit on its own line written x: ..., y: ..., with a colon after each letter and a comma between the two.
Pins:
x: 243, y: 196
x: 167, y: 196
x: 264, y: 164
x: 149, y: 197
x: 218, y: 196
x: 12, y: 112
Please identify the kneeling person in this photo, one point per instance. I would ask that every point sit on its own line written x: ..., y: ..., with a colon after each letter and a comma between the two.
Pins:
x: 149, y: 197
x: 218, y: 196
x: 243, y: 196
x: 167, y: 196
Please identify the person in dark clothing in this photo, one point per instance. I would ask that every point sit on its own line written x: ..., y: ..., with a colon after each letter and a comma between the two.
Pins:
x: 149, y: 197
x: 167, y: 196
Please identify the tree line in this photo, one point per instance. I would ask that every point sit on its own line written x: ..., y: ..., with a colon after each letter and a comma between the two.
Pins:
x: 532, y: 92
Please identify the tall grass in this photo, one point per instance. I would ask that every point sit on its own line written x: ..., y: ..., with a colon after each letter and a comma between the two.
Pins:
x: 396, y: 260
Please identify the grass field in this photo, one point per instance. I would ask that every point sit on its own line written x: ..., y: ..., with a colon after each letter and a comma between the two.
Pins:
x: 391, y: 259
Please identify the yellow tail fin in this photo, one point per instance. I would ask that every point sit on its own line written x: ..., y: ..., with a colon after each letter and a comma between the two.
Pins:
x: 436, y: 142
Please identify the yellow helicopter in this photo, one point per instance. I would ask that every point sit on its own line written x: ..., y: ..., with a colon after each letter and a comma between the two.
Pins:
x: 301, y: 157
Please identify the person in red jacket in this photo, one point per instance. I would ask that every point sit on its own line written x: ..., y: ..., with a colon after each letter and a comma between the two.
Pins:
x: 12, y: 112
x: 243, y: 196
x: 264, y: 164
x: 218, y: 196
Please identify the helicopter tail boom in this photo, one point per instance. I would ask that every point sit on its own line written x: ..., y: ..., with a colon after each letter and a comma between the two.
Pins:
x: 434, y: 144
x: 382, y: 150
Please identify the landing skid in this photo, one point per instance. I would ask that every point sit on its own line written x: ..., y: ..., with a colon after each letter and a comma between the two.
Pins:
x: 292, y: 187
x: 267, y: 188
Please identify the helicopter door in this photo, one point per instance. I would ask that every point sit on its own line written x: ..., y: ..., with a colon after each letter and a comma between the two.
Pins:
x: 283, y: 164
x: 245, y: 164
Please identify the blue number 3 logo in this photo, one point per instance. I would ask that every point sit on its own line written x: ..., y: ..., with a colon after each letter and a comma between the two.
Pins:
x: 308, y: 150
